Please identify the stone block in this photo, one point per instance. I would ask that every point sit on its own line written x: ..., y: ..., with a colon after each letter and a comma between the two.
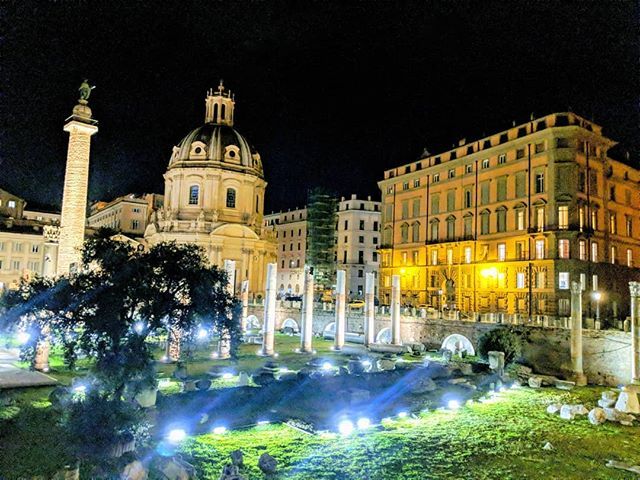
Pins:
x: 597, y: 416
x: 535, y: 382
x: 628, y: 400
x: 554, y: 408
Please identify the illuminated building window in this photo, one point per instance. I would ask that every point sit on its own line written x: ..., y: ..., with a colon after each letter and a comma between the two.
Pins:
x: 451, y: 173
x: 449, y: 256
x: 594, y: 219
x: 594, y: 252
x: 594, y: 282
x: 539, y: 249
x: 405, y: 186
x: 563, y: 216
x: 540, y: 220
x: 520, y: 219
x: 583, y: 281
x: 629, y: 257
x: 563, y: 280
x: 434, y: 257
x: 613, y: 224
x: 502, y: 158
x: 581, y: 217
x: 520, y: 251
x: 614, y: 253
x: 415, y: 254
x: 563, y: 248
x: 468, y: 168
x: 628, y: 222
x: 467, y: 254
x: 416, y: 183
x: 485, y: 163
x: 404, y: 258
x: 502, y: 252
x: 435, y: 178
x: 520, y: 280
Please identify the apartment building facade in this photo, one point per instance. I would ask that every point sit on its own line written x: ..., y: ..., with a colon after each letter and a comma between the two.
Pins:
x: 357, y: 242
x: 504, y: 224
x: 129, y: 214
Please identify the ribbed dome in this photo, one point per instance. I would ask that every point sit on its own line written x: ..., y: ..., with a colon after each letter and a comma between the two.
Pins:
x: 217, y: 143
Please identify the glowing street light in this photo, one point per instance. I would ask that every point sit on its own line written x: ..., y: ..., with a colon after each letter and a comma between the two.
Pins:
x: 597, y: 296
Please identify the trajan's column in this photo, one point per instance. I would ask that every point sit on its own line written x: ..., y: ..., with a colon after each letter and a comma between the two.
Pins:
x: 80, y: 126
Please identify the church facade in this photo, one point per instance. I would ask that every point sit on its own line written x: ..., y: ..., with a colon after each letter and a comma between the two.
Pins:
x: 214, y: 196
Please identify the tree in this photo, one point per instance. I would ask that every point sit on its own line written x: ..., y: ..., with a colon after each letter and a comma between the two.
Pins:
x: 501, y: 340
x: 321, y: 219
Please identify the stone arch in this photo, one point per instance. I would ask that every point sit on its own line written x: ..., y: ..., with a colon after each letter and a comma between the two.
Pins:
x: 384, y: 336
x: 253, y: 322
x: 457, y: 343
x: 290, y: 323
x: 329, y: 330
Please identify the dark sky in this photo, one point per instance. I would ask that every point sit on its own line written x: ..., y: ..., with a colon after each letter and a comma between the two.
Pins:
x: 330, y: 93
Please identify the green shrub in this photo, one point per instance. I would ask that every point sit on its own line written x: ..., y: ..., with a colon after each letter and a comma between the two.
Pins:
x: 501, y: 340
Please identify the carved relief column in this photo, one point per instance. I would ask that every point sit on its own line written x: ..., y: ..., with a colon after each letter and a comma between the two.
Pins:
x: 576, y: 334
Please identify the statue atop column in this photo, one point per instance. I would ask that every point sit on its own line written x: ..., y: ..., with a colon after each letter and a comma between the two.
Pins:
x: 85, y: 91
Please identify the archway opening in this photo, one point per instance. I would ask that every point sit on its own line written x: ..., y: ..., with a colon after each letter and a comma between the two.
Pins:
x: 457, y: 343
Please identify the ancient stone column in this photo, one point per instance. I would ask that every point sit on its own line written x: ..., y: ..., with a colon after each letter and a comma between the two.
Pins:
x: 306, y: 332
x: 341, y: 299
x: 269, y: 324
x: 369, y: 309
x: 634, y: 288
x: 74, y: 197
x: 576, y: 334
x: 230, y: 269
x: 395, y: 310
x: 224, y: 345
x: 245, y: 304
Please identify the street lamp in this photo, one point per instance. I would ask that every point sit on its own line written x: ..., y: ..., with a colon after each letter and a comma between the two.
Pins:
x: 597, y: 296
x: 440, y: 302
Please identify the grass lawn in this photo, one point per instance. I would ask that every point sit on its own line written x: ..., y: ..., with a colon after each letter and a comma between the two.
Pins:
x: 501, y: 439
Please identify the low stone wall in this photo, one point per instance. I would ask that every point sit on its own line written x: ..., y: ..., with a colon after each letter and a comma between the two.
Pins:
x: 607, y: 353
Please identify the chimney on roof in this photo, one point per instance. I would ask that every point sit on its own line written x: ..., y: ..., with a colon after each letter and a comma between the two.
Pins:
x: 462, y: 142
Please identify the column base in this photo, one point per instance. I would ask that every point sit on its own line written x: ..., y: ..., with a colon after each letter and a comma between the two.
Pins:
x: 580, y: 379
x: 262, y: 353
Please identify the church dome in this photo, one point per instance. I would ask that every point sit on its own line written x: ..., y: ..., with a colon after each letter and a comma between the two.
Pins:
x: 217, y: 143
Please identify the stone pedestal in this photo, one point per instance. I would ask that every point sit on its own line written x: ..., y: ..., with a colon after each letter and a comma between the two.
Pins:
x: 395, y: 310
x: 576, y: 334
x: 634, y: 288
x: 269, y: 324
x: 628, y: 400
x: 306, y: 328
x: 341, y: 299
x: 224, y: 346
x: 369, y: 309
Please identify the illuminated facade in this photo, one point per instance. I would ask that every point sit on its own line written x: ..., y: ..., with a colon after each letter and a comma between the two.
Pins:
x: 128, y: 214
x: 214, y: 196
x: 505, y: 223
x: 290, y: 231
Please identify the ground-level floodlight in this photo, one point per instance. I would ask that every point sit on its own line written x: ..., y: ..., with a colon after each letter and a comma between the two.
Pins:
x: 363, y: 423
x: 345, y: 427
x: 176, y: 435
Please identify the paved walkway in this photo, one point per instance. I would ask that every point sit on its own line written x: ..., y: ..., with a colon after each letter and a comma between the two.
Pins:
x: 12, y: 376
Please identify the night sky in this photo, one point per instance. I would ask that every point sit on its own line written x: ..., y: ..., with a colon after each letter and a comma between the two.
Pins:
x: 330, y: 93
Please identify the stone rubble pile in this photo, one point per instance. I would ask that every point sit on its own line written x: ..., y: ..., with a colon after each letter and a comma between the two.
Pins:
x: 625, y: 404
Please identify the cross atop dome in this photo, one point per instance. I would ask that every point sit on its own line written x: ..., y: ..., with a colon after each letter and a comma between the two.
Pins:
x: 219, y: 106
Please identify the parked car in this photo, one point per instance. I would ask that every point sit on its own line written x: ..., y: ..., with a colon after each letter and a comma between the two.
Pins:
x: 293, y: 298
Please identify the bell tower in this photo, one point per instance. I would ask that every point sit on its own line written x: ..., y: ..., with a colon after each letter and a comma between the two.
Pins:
x: 81, y: 127
x: 219, y: 106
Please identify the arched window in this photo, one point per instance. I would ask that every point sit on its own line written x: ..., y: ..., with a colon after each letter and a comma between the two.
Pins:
x: 215, y: 112
x: 404, y: 233
x: 222, y: 110
x: 415, y: 232
x: 257, y: 204
x: 194, y: 194
x: 231, y: 198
